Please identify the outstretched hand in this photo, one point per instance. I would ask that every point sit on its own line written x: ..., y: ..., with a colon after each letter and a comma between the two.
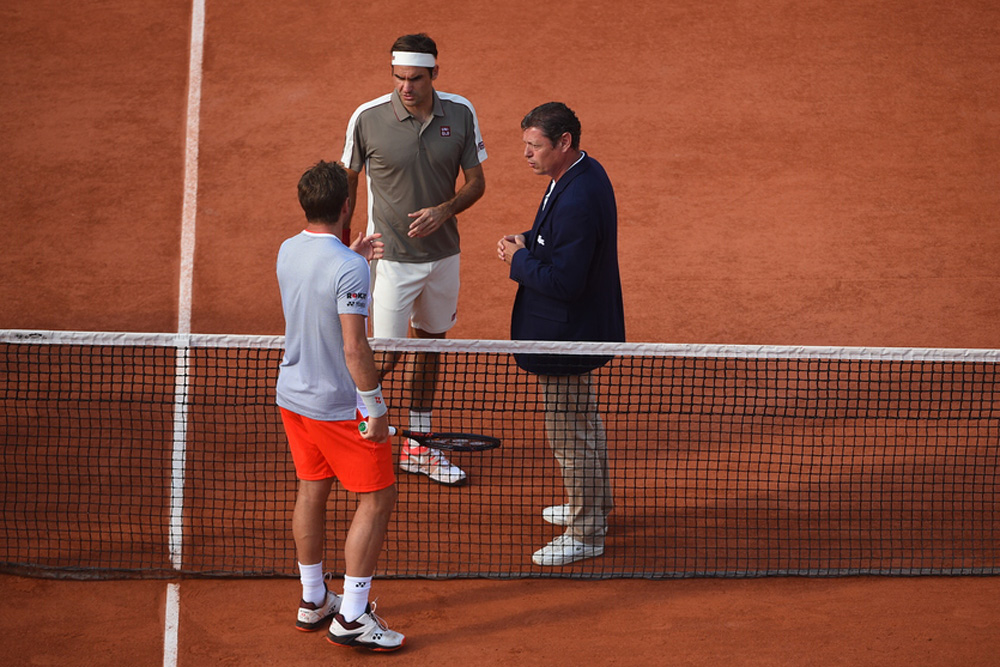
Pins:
x: 369, y: 246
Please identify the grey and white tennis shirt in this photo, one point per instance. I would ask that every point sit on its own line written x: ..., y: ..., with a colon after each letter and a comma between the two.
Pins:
x: 319, y: 279
x: 409, y: 166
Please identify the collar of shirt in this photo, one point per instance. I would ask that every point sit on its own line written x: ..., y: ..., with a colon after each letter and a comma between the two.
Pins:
x: 318, y: 234
x: 552, y: 185
x: 402, y: 113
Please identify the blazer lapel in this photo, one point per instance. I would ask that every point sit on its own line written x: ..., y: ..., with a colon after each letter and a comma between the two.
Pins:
x: 561, y: 185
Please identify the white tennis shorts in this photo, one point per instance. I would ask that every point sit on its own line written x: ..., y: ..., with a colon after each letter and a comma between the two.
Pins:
x: 422, y: 293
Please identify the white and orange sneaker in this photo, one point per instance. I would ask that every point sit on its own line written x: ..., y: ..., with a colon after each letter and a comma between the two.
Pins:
x: 421, y: 460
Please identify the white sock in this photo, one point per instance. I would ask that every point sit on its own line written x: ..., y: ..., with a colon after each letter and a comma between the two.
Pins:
x: 313, y: 589
x: 420, y: 421
x: 355, y: 597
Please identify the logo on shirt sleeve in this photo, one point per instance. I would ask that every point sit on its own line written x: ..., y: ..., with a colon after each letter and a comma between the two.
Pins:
x: 356, y: 299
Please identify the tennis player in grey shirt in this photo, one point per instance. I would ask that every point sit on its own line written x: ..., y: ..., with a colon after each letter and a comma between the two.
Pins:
x: 327, y: 364
x: 412, y: 144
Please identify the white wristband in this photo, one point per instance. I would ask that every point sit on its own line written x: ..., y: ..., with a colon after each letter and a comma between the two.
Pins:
x: 374, y: 402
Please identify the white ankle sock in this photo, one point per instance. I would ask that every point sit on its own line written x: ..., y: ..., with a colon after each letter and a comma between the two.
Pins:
x: 355, y: 597
x: 421, y: 423
x: 313, y: 589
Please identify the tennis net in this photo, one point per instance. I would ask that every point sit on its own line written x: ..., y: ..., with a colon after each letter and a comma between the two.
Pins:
x: 161, y: 455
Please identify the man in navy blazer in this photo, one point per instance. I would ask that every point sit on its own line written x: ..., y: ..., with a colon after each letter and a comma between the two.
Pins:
x: 569, y: 289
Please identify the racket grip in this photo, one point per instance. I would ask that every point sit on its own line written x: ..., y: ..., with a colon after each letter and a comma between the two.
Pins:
x: 363, y: 426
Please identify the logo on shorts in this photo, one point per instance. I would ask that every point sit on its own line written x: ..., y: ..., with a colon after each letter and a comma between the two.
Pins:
x: 445, y: 131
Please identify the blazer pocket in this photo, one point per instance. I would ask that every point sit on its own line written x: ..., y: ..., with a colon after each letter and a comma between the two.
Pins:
x: 555, y: 312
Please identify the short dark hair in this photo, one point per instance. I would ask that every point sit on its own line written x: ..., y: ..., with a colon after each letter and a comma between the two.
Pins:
x: 419, y: 43
x: 323, y: 191
x: 554, y: 119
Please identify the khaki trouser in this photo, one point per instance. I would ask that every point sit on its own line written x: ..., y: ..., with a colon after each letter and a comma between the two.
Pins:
x: 577, y: 438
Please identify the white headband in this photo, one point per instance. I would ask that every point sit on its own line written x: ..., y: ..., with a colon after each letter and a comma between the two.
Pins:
x: 411, y: 59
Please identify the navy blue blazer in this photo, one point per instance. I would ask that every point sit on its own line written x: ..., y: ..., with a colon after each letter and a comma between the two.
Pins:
x: 569, y: 287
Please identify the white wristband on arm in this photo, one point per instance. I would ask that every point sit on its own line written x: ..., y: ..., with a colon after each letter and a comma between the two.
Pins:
x: 374, y: 402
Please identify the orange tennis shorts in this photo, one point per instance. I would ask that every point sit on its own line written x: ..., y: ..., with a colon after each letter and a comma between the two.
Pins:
x: 324, y: 449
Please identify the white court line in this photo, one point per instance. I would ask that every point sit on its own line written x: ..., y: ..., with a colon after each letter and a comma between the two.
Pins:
x: 172, y: 621
x: 190, y: 209
x: 188, y: 215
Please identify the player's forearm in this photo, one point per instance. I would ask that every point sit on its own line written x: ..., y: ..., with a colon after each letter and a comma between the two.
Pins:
x: 361, y: 365
x: 470, y: 192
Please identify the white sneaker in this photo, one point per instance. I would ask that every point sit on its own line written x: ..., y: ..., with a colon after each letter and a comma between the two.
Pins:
x: 368, y: 631
x: 432, y: 463
x: 565, y: 550
x: 557, y: 515
x: 311, y: 616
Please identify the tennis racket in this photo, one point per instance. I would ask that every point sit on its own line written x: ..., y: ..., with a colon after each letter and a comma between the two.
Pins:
x: 454, y: 442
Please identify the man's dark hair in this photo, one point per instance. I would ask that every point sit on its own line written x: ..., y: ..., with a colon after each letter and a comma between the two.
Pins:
x: 323, y: 191
x: 554, y: 119
x: 419, y: 43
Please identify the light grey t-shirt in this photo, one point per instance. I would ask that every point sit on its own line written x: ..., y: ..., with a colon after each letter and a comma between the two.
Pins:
x: 319, y: 279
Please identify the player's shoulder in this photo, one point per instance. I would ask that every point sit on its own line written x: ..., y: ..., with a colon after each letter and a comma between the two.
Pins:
x: 352, y: 266
x: 452, y: 98
x: 291, y: 243
x: 372, y: 105
x: 294, y: 252
x: 339, y: 260
x: 347, y: 258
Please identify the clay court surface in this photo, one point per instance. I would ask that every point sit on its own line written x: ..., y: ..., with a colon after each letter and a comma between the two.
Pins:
x: 816, y: 173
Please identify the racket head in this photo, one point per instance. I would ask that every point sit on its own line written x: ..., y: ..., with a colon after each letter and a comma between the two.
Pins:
x: 454, y: 442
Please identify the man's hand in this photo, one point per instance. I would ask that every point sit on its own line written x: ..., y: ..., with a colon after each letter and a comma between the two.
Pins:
x: 368, y: 247
x: 377, y: 428
x: 426, y: 221
x: 508, y: 245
